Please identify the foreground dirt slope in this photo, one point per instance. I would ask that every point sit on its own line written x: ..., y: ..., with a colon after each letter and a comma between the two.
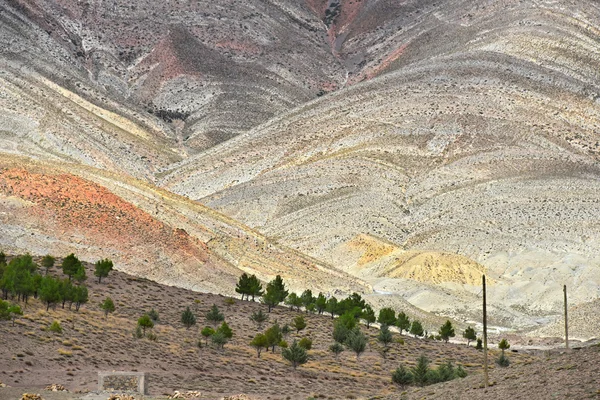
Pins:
x: 89, y: 342
x: 554, y: 375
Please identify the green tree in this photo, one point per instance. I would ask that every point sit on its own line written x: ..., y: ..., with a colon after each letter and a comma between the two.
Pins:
x: 215, y: 316
x: 387, y: 316
x: 503, y: 345
x: 402, y: 377
x: 49, y: 291
x: 503, y: 361
x: 48, y: 262
x: 295, y: 354
x: 285, y: 330
x: 307, y: 298
x: 336, y: 349
x: 416, y: 329
x: 340, y: 332
x: 80, y: 296
x: 305, y: 343
x: 348, y: 319
x: 274, y: 336
x: 255, y: 288
x: 421, y: 371
x: 14, y: 311
x: 470, y: 335
x: 187, y: 318
x: 108, y: 306
x: 145, y: 322
x: 275, y: 293
x: 80, y: 275
x: 385, y: 335
x: 332, y: 306
x: 207, y: 332
x: 4, y: 313
x: 321, y: 303
x: 299, y: 323
x: 243, y: 285
x: 225, y: 330
x: 479, y: 345
x: 446, y: 331
x: 446, y: 372
x: 402, y: 322
x: 293, y: 301
x: 219, y: 340
x: 2, y: 258
x: 67, y: 291
x: 71, y: 265
x: 103, y: 268
x: 259, y: 318
x: 259, y: 343
x: 356, y: 341
x: 368, y: 315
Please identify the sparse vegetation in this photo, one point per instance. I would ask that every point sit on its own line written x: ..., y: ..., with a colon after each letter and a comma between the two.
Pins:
x: 259, y: 318
x: 214, y: 316
x: 446, y: 331
x: 295, y: 354
x: 470, y: 335
x: 299, y: 323
x: 103, y: 268
x: 108, y: 306
x: 187, y: 318
x: 145, y: 322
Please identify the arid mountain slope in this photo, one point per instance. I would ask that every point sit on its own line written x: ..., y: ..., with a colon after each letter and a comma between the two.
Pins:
x: 488, y: 149
x: 202, y: 71
x: 147, y: 232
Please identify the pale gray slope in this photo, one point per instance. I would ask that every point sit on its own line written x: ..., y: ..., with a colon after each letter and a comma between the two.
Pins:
x: 489, y: 149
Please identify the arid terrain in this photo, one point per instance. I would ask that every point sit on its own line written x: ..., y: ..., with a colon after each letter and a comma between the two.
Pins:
x: 400, y: 150
x: 35, y: 357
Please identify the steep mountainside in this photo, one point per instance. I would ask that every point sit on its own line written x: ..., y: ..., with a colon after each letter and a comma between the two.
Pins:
x: 488, y: 148
x: 414, y: 144
x: 147, y: 232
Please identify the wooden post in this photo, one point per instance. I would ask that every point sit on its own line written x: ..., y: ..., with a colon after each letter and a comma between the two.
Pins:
x: 485, y: 349
x: 566, y: 319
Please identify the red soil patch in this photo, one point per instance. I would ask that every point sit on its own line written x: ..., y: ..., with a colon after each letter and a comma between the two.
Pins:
x: 74, y: 205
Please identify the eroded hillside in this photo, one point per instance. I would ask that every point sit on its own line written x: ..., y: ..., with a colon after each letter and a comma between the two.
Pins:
x: 488, y: 148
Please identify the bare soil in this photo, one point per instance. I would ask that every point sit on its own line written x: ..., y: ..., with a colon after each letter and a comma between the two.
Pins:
x: 34, y: 357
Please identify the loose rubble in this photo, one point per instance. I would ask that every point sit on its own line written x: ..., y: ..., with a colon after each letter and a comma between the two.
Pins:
x: 55, y: 387
x: 191, y: 394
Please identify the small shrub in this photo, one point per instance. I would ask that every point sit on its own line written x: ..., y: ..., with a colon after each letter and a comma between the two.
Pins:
x: 153, y: 314
x: 152, y: 336
x: 305, y: 343
x: 55, y: 327
x: 65, y: 353
x: 503, y: 361
x: 137, y: 333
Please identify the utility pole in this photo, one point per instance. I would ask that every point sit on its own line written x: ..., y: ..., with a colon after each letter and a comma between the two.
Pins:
x: 485, y: 348
x: 566, y: 319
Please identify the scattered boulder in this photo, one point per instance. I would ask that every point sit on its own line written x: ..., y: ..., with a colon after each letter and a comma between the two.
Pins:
x: 192, y: 394
x: 55, y: 387
x: 31, y: 396
x: 121, y: 397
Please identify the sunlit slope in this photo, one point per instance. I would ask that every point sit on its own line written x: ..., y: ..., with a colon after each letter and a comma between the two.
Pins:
x: 489, y: 150
x: 148, y: 232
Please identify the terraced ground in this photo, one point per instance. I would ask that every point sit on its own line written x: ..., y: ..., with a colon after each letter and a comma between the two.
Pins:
x: 404, y: 147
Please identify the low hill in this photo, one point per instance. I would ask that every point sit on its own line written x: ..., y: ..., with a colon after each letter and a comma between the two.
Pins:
x: 37, y: 357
